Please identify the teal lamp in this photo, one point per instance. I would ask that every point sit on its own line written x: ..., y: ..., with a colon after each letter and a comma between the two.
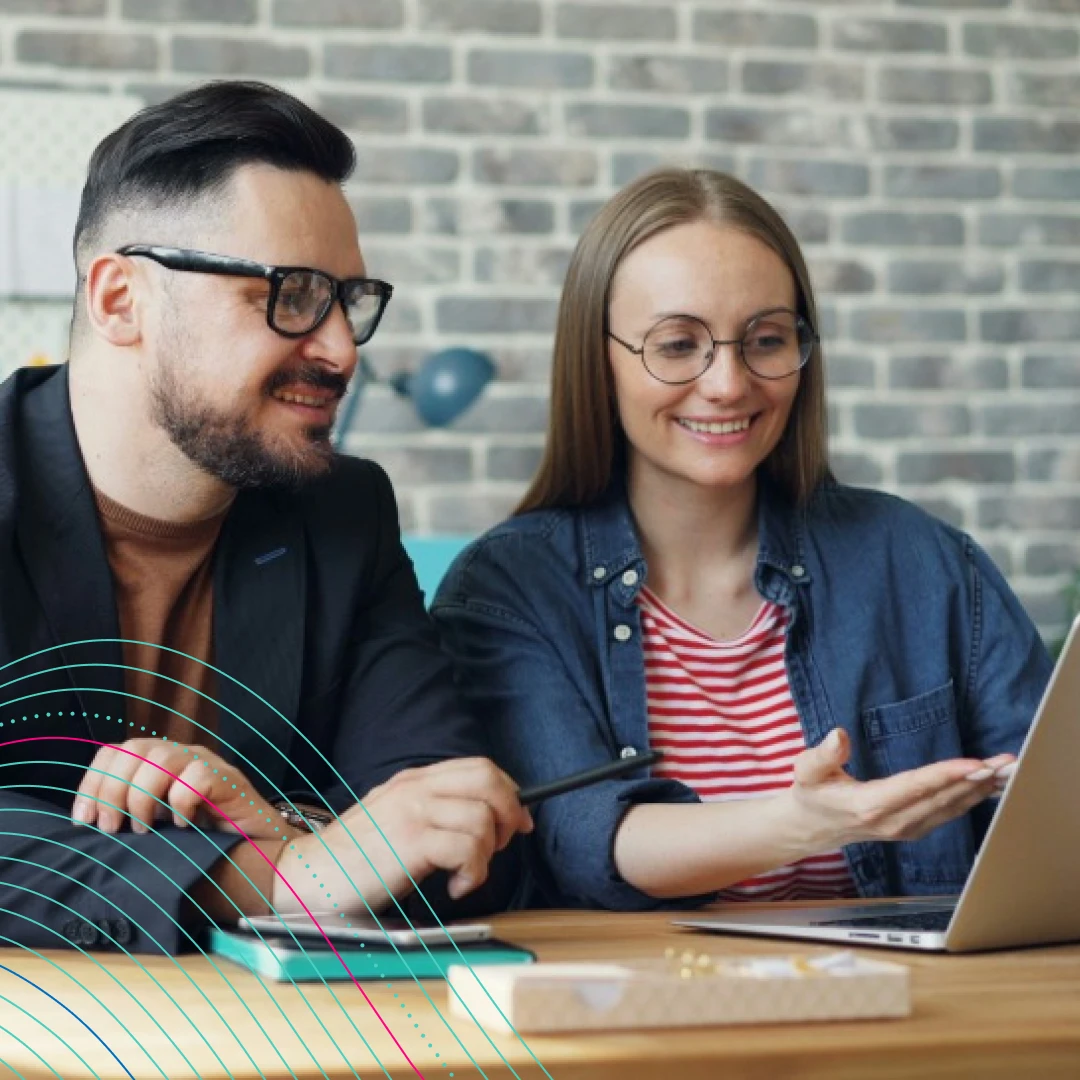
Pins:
x: 441, y: 389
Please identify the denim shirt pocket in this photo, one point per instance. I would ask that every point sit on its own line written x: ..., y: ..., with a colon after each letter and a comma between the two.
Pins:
x: 907, y: 735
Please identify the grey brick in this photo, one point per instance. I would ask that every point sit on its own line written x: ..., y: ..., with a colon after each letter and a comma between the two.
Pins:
x: 734, y: 28
x: 627, y: 165
x: 673, y: 74
x: 389, y: 63
x: 926, y: 277
x: 402, y: 317
x: 610, y: 120
x: 890, y: 35
x: 922, y: 372
x: 971, y: 466
x: 828, y: 319
x: 929, y: 420
x: 539, y: 70
x: 522, y: 265
x: 522, y: 363
x: 998, y: 135
x: 547, y: 167
x: 404, y: 165
x: 942, y: 181
x: 1009, y: 230
x: 954, y: 5
x: 484, y: 217
x: 369, y: 14
x: 1035, y: 183
x: 381, y: 412
x: 615, y: 22
x: 1064, y: 7
x: 425, y: 464
x: 935, y: 86
x: 521, y: 413
x: 776, y: 127
x: 905, y: 133
x: 67, y: 49
x: 1048, y: 418
x: 1054, y: 466
x: 1047, y: 560
x: 1042, y: 371
x: 809, y: 224
x: 819, y: 80
x: 494, y: 315
x: 1005, y: 41
x: 469, y: 513
x: 946, y: 510
x: 1045, y: 91
x: 239, y: 56
x: 481, y: 16
x: 1012, y: 325
x: 1029, y: 512
x: 381, y: 214
x: 512, y: 462
x: 855, y: 468
x: 893, y: 228
x: 805, y: 177
x: 484, y: 116
x: 582, y: 211
x: 907, y: 324
x: 848, y: 371
x: 53, y: 7
x: 184, y: 11
x: 151, y: 93
x: 1046, y: 275
x: 365, y: 112
x: 412, y: 265
x: 835, y: 275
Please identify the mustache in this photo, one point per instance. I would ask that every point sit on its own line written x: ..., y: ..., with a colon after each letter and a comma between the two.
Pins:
x: 309, y: 375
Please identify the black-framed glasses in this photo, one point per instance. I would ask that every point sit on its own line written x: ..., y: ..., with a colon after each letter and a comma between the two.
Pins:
x: 680, y: 348
x: 300, y: 297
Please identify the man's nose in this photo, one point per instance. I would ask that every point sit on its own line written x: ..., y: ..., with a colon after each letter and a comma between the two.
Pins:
x: 332, y: 342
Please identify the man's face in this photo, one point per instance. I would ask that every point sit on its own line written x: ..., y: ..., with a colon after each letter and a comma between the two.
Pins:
x: 245, y: 404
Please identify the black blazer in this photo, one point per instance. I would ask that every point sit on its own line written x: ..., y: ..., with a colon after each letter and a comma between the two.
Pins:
x: 317, y: 617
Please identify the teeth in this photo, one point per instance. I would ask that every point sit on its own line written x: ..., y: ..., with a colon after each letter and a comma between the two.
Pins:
x: 299, y: 399
x: 727, y: 428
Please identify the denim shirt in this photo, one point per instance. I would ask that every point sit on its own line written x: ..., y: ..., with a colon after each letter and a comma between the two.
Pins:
x: 900, y: 630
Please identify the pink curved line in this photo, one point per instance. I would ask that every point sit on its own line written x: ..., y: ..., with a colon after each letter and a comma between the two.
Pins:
x: 222, y: 814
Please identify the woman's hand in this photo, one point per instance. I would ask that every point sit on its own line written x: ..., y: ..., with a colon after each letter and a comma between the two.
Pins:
x: 830, y: 809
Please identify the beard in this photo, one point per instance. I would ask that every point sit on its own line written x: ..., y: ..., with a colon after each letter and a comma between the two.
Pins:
x: 229, y: 446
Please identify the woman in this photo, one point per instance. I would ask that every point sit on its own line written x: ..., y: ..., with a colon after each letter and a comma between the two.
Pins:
x: 684, y: 574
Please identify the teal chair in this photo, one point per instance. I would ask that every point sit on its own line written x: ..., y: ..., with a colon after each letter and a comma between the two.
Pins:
x: 431, y: 557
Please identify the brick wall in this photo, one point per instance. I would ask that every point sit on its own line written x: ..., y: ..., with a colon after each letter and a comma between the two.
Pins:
x: 925, y: 152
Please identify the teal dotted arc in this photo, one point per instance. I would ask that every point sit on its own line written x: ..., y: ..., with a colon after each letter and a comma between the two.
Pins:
x: 344, y: 784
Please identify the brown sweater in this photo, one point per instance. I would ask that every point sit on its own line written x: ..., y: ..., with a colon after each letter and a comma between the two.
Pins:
x: 162, y: 572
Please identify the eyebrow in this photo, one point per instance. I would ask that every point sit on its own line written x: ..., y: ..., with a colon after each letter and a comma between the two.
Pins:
x: 768, y: 310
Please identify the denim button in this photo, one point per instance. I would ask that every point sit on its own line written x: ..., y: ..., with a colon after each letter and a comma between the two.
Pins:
x: 630, y: 578
x: 797, y: 571
x: 623, y: 632
x: 599, y: 572
x: 627, y: 752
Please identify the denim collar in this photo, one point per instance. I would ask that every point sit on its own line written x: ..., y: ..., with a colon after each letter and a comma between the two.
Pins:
x: 612, y: 549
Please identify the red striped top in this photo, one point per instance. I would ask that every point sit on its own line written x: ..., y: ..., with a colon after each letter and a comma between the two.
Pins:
x: 723, y: 716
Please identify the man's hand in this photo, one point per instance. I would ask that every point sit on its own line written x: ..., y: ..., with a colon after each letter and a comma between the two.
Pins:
x: 451, y: 816
x: 831, y: 809
x: 116, y: 776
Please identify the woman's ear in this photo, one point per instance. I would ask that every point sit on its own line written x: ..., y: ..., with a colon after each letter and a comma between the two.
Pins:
x: 110, y: 295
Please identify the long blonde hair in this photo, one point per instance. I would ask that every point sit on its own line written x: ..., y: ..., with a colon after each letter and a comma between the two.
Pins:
x: 585, y: 444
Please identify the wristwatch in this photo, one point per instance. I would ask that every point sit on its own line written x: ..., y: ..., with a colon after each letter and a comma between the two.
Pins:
x: 310, y: 819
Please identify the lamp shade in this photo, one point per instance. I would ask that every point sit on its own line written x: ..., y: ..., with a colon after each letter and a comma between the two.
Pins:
x: 446, y: 384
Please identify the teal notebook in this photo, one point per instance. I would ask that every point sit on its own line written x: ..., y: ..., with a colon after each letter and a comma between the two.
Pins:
x: 279, y: 957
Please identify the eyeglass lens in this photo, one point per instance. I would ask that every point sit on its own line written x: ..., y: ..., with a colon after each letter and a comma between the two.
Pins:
x: 680, y: 348
x: 304, y: 297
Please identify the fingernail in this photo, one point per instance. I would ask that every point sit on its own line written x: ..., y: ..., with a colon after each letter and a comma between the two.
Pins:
x: 80, y: 810
x: 1006, y: 770
x: 138, y: 827
x: 980, y: 774
x: 833, y: 741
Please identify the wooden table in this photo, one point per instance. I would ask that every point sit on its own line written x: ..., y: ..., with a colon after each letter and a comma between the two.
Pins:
x: 1011, y: 1014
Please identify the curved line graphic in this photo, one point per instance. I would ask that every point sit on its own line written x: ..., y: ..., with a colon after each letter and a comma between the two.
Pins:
x: 11, y: 971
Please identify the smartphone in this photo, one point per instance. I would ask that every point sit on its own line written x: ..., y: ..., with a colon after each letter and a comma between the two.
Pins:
x: 365, y: 930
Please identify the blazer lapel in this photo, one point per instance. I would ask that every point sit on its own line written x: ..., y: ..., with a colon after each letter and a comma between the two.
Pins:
x: 259, y: 605
x: 60, y: 541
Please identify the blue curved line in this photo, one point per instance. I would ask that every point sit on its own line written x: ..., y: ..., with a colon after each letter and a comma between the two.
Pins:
x: 11, y: 971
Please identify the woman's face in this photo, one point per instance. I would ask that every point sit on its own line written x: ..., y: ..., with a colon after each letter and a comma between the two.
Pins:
x: 715, y: 431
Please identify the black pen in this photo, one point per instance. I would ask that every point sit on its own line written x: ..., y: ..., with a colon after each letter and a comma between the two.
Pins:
x: 528, y: 796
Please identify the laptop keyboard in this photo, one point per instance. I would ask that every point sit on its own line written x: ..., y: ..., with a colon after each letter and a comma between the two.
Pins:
x: 924, y: 921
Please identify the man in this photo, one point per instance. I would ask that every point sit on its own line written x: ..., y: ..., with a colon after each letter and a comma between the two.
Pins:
x: 205, y: 611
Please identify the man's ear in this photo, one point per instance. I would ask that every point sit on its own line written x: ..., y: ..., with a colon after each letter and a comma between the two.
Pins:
x: 111, y: 295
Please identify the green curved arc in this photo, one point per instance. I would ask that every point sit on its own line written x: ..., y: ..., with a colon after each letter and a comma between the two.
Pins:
x: 59, y: 1038
x: 8, y: 1031
x: 7, y: 1065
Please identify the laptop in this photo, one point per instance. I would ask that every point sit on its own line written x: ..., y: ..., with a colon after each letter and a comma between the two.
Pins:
x: 1024, y: 888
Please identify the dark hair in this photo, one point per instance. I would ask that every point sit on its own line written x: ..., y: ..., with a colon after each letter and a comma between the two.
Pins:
x: 585, y: 446
x: 192, y: 143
